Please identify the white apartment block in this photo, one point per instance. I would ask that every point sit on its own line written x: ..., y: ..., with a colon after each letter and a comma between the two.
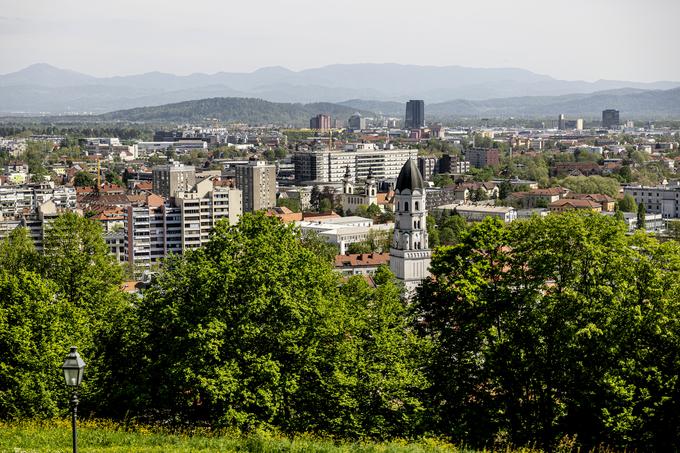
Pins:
x: 157, y: 227
x: 664, y: 200
x: 15, y: 200
x: 330, y: 165
x: 202, y: 207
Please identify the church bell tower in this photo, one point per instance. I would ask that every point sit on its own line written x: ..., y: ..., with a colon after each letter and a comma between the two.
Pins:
x: 410, y: 254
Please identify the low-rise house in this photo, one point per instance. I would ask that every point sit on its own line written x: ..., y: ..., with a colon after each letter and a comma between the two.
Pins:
x: 570, y: 204
x: 361, y: 264
x: 607, y: 203
x: 575, y: 169
x: 538, y: 198
x: 284, y: 213
x: 477, y: 213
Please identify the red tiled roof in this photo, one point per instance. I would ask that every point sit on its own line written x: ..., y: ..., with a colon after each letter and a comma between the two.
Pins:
x: 362, y: 259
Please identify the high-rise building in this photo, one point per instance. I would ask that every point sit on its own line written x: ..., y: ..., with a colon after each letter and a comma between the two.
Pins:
x: 257, y: 181
x: 202, y: 207
x: 170, y: 179
x: 563, y: 123
x: 321, y: 122
x: 483, y: 157
x: 415, y: 114
x: 409, y: 253
x: 610, y: 118
x: 357, y: 122
x: 157, y: 227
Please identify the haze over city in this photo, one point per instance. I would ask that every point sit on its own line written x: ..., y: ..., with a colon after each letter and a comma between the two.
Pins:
x: 577, y: 40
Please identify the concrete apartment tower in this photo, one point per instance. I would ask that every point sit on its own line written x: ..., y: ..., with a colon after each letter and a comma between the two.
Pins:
x: 257, y: 181
x: 410, y: 254
x: 172, y: 178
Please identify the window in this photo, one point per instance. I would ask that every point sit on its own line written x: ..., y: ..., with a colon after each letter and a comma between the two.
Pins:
x: 417, y: 208
x: 406, y: 206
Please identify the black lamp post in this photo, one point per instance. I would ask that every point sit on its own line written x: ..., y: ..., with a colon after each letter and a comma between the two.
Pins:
x: 73, y: 374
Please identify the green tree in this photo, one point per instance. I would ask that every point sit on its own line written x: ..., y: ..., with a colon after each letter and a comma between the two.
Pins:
x: 34, y: 336
x: 504, y: 189
x: 553, y: 327
x: 325, y: 205
x: 591, y: 184
x: 291, y: 203
x: 641, y: 217
x: 232, y: 329
x: 83, y: 179
x: 627, y: 203
x: 378, y: 373
x: 17, y: 252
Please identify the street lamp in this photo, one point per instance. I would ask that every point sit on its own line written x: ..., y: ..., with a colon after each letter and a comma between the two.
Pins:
x: 73, y: 374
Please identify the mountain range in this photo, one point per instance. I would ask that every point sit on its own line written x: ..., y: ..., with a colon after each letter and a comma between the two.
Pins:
x: 455, y: 90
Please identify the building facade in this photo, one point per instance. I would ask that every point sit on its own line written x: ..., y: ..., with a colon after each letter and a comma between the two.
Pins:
x: 330, y: 165
x: 664, y: 200
x: 169, y: 179
x: 483, y: 157
x: 321, y: 122
x: 415, y: 114
x: 610, y: 118
x: 257, y: 182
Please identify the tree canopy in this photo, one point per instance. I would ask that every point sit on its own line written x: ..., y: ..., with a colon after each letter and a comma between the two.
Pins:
x: 553, y: 328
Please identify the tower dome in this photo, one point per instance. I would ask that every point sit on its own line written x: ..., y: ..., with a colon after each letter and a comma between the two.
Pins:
x: 409, y: 177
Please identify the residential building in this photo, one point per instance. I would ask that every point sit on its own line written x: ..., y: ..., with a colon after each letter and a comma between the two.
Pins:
x: 156, y: 227
x: 483, y: 157
x: 329, y: 166
x: 453, y: 164
x: 607, y: 203
x: 664, y: 200
x: 321, y: 122
x: 415, y: 114
x: 427, y: 165
x: 570, y: 204
x: 361, y: 264
x: 257, y: 182
x: 654, y: 223
x: 538, y: 198
x: 170, y: 179
x: 410, y: 254
x: 477, y: 213
x: 16, y: 200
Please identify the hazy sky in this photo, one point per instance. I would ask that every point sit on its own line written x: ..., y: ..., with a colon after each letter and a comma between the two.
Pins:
x: 569, y: 39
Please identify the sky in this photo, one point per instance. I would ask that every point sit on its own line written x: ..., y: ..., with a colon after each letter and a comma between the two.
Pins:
x: 571, y: 39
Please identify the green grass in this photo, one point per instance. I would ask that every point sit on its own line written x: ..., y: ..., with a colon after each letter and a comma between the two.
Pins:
x: 54, y: 436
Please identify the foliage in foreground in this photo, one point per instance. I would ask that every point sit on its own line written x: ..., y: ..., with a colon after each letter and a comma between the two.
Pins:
x: 101, y: 436
x: 555, y: 326
x: 553, y: 331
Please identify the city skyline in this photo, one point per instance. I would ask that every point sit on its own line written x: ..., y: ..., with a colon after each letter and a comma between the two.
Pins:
x: 574, y: 41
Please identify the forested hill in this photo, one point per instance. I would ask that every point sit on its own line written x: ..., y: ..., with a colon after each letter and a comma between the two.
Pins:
x: 246, y: 110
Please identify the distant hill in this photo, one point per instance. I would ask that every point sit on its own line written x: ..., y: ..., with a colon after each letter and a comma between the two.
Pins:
x: 246, y: 110
x: 630, y: 102
x: 44, y: 88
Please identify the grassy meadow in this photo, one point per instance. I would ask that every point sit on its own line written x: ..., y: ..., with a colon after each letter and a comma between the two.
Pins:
x: 54, y: 436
